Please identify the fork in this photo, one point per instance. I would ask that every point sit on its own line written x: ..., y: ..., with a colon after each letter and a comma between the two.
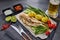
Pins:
x: 21, y: 32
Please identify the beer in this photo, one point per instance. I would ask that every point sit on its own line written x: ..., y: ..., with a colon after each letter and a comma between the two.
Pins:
x: 53, y: 7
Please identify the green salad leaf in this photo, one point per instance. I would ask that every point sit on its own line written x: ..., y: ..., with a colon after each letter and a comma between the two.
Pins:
x: 39, y: 29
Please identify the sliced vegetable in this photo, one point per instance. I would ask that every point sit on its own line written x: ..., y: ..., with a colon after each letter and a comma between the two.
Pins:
x: 32, y: 14
x: 38, y: 17
x: 13, y: 19
x: 8, y: 18
x: 44, y: 19
x: 40, y: 29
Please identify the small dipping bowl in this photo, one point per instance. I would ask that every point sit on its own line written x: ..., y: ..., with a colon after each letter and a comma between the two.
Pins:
x: 7, y: 11
x: 18, y: 8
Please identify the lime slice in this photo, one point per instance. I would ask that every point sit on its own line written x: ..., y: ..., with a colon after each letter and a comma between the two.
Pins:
x: 8, y: 18
x: 13, y: 19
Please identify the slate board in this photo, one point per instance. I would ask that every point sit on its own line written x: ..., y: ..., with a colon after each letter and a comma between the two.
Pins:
x: 14, y: 35
x: 4, y: 4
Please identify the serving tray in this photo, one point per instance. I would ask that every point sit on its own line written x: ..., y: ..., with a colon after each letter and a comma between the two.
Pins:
x: 42, y: 36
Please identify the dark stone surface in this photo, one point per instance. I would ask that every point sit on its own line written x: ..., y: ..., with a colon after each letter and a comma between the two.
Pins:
x: 57, y: 34
x: 10, y: 33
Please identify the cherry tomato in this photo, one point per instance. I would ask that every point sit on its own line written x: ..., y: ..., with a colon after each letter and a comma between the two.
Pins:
x: 47, y: 33
x: 50, y: 26
x: 54, y: 26
x: 49, y: 22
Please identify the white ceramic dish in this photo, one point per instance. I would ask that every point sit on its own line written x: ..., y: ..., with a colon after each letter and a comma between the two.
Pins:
x: 42, y: 36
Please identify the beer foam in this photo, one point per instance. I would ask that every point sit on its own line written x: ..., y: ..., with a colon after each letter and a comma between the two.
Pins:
x: 54, y: 2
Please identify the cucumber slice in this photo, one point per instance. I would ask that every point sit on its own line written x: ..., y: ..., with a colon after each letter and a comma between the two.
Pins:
x: 8, y: 18
x: 13, y: 19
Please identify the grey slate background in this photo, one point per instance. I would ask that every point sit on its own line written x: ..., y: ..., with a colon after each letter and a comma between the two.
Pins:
x: 42, y: 4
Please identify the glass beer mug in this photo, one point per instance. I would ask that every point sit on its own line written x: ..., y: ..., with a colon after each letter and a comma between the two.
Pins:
x: 53, y: 8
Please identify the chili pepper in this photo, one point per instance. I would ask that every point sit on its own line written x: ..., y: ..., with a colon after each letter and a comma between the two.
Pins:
x: 5, y: 26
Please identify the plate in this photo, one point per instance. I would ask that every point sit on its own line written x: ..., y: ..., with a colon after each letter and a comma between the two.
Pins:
x: 42, y: 36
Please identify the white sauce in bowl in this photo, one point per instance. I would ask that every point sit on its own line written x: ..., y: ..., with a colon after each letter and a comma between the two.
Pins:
x: 8, y: 12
